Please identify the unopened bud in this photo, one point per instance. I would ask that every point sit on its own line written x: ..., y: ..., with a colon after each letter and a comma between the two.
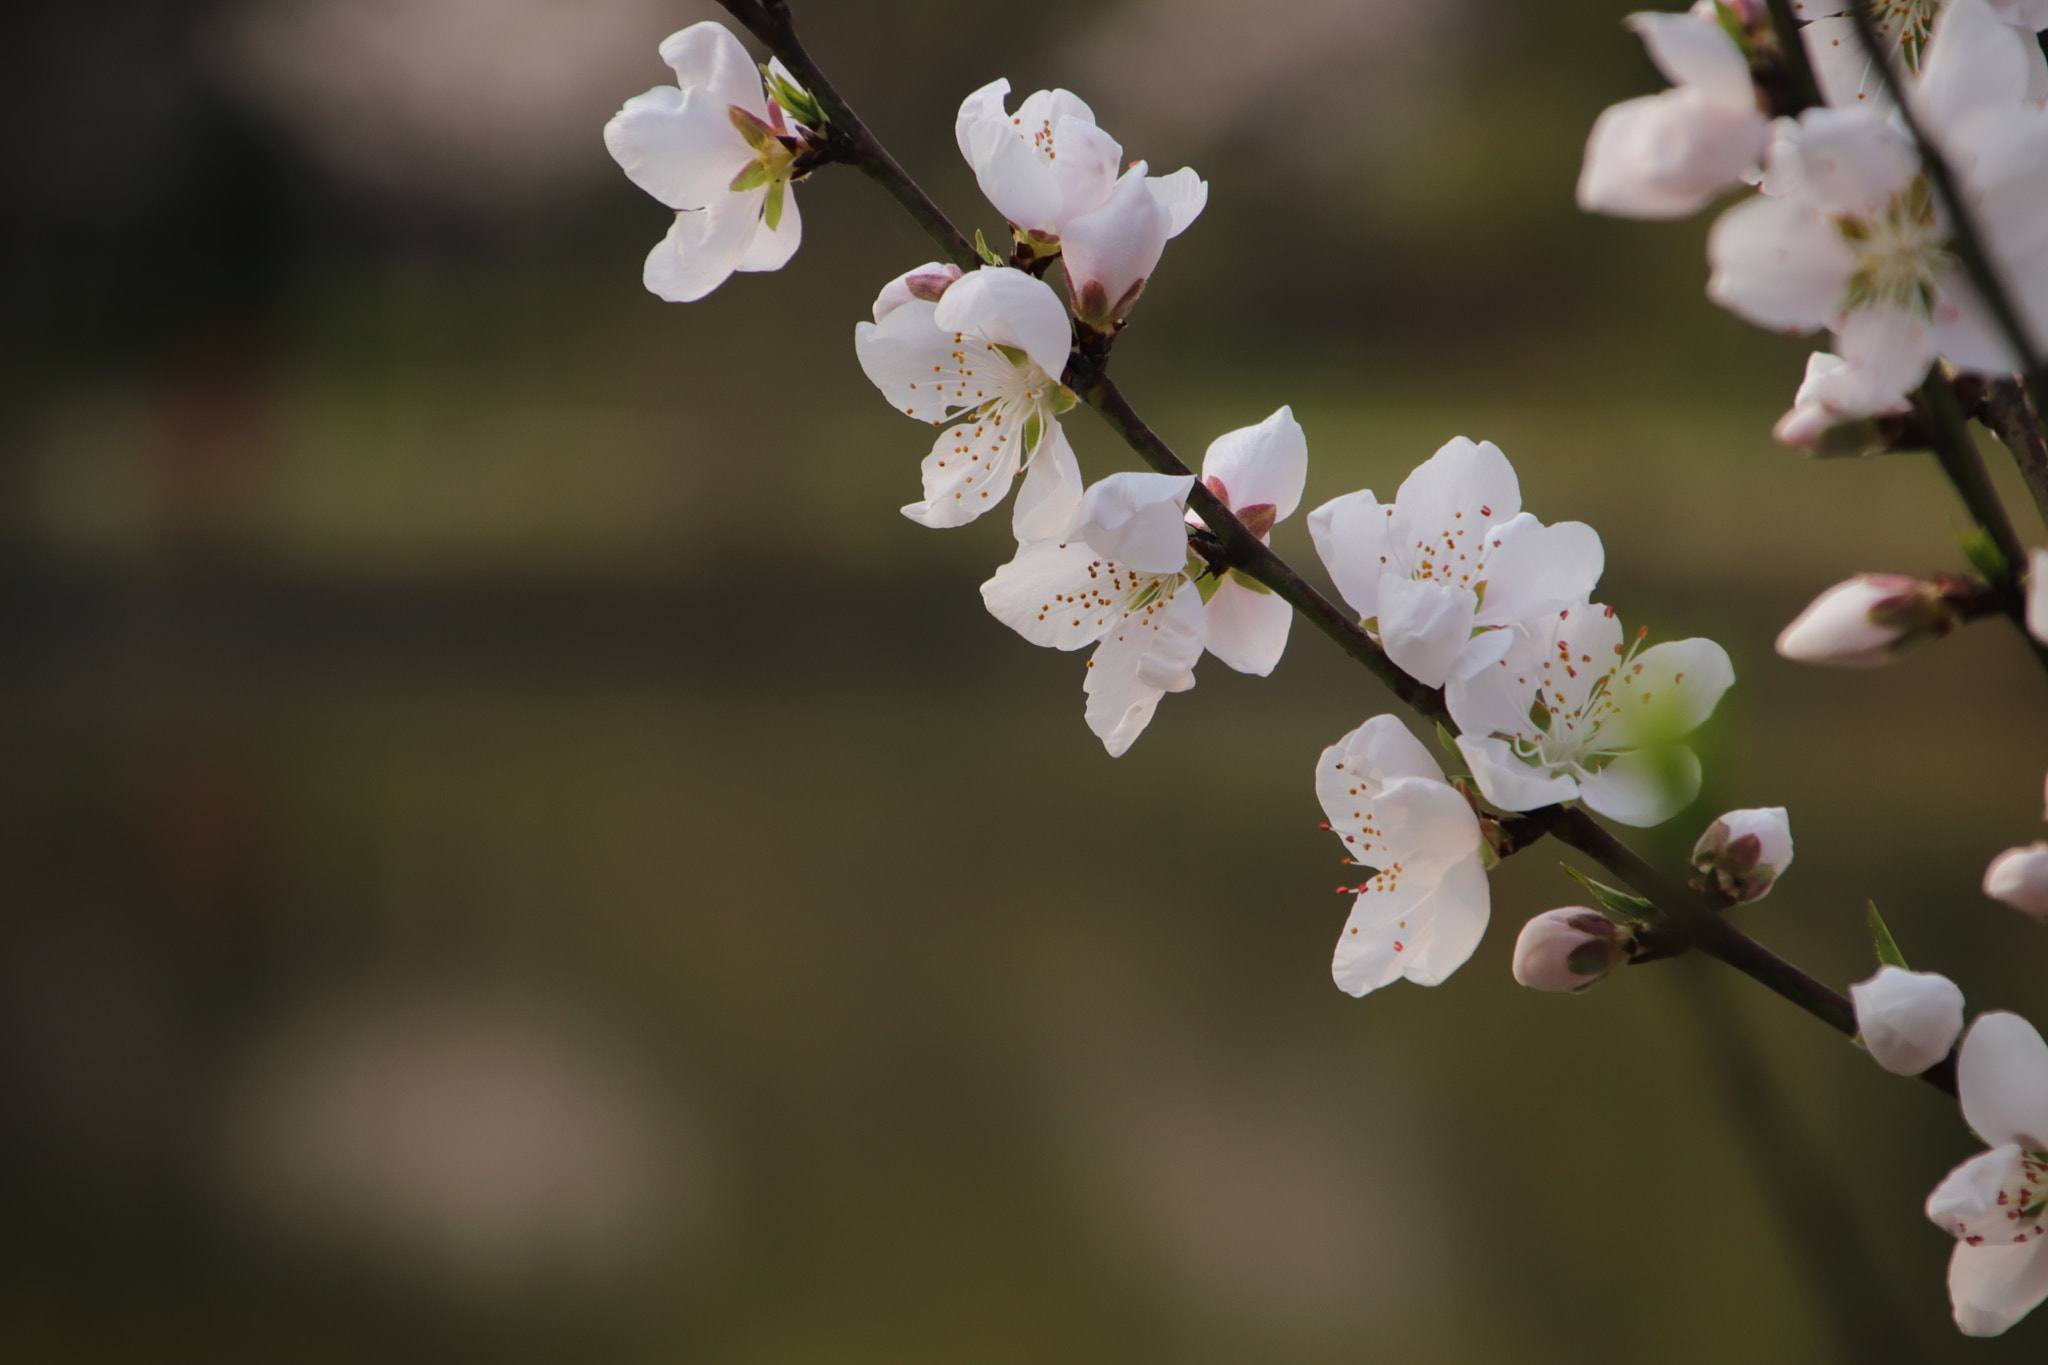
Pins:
x: 1837, y: 408
x: 1744, y: 852
x: 927, y: 283
x: 1568, y: 949
x: 1867, y: 621
x: 1909, y: 1020
x: 2019, y: 877
x: 1111, y: 252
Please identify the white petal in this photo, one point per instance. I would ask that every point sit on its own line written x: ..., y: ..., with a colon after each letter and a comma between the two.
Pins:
x: 1457, y: 911
x: 1848, y: 78
x: 2037, y: 595
x: 1137, y: 520
x: 1778, y: 264
x: 1267, y: 463
x: 1963, y: 329
x: 1854, y: 160
x: 1404, y: 927
x: 1248, y: 626
x: 1668, y: 155
x: 921, y: 370
x: 1350, y: 535
x: 1051, y: 492
x: 1084, y: 169
x: 703, y: 247
x: 1974, y: 62
x: 772, y: 250
x: 2002, y: 1077
x: 1693, y: 49
x: 1508, y: 782
x: 1892, y: 345
x: 1644, y: 787
x: 2019, y: 877
x: 1993, y: 1199
x: 1537, y: 569
x: 1059, y: 595
x: 1909, y: 1020
x: 1184, y: 195
x: 1991, y: 1288
x: 969, y: 469
x: 709, y: 57
x: 1375, y: 753
x: 1010, y: 308
x: 1463, y: 484
x: 1669, y: 691
x: 1147, y: 654
x: 678, y: 146
x: 1017, y: 180
x: 1424, y: 626
x: 983, y: 108
x: 1111, y: 252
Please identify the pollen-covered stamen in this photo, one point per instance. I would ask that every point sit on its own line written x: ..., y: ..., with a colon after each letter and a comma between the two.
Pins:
x: 1999, y: 1198
x: 1899, y: 253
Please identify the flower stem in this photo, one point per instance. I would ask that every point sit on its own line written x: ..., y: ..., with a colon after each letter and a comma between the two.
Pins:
x: 2004, y: 409
x: 1690, y: 915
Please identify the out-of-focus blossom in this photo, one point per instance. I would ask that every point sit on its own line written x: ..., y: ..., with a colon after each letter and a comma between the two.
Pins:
x: 1866, y: 621
x: 1745, y: 851
x: 1571, y: 712
x: 1909, y: 1020
x: 1425, y: 906
x: 982, y: 355
x: 1667, y: 155
x: 1443, y: 572
x: 1567, y: 949
x: 1843, y: 67
x: 2019, y: 877
x: 2037, y: 595
x: 1835, y: 409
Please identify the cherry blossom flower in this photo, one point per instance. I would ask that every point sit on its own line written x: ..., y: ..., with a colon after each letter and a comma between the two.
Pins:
x: 1996, y: 1204
x: 1908, y: 1020
x: 980, y: 354
x: 1849, y: 235
x: 1667, y: 155
x: 1745, y: 852
x: 1122, y: 579
x: 1846, y: 74
x: 1439, y: 574
x: 2019, y: 877
x: 1572, y: 713
x: 1832, y: 412
x: 1867, y: 621
x: 721, y: 153
x: 1424, y: 907
x: 1048, y: 164
x: 1111, y: 252
x: 1568, y: 949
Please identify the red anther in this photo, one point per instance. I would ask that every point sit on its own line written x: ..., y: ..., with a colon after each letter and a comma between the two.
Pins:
x: 1322, y: 824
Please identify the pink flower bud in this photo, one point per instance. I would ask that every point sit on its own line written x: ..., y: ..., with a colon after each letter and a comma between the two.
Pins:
x: 927, y: 282
x: 1744, y: 851
x: 1111, y: 252
x: 1909, y: 1020
x: 1568, y: 949
x: 1835, y: 410
x: 1867, y: 621
x: 2019, y: 877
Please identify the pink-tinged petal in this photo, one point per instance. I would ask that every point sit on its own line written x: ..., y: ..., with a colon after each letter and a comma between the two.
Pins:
x: 1183, y: 195
x: 1996, y: 1198
x: 1508, y: 782
x: 1424, y: 625
x: 1909, y: 1020
x: 1992, y: 1287
x: 1111, y: 253
x: 1267, y: 463
x: 1085, y: 168
x: 1051, y: 491
x: 1018, y: 181
x: 678, y: 146
x: 1892, y: 346
x: 1538, y: 569
x: 772, y: 250
x: 709, y: 57
x: 926, y: 284
x: 1668, y: 155
x: 1351, y: 538
x: 1457, y: 911
x: 979, y: 111
x: 1463, y: 484
x: 703, y: 247
x: 1010, y: 308
x: 1644, y: 787
x: 1248, y: 626
x: 1963, y: 331
x: 2002, y: 1078
x: 970, y: 468
x: 1778, y: 264
x: 1149, y: 653
x: 1060, y: 595
x: 1138, y: 520
x: 1693, y: 49
x: 1854, y: 160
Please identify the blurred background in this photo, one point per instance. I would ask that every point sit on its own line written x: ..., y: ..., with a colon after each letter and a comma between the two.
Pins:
x: 512, y: 849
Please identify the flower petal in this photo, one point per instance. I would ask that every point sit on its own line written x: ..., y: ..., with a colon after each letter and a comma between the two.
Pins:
x: 1149, y: 653
x: 1778, y: 264
x: 1010, y: 308
x: 2002, y: 1078
x: 709, y: 57
x: 1085, y: 168
x: 679, y: 146
x: 1374, y: 937
x: 1424, y: 625
x: 920, y: 369
x: 1671, y: 689
x: 1974, y: 63
x: 1644, y: 787
x: 1248, y: 626
x: 1667, y: 155
x: 1351, y: 535
x: 1693, y: 49
x: 1463, y: 484
x: 1992, y: 1287
x: 1456, y: 913
x: 1854, y: 160
x: 1061, y: 595
x: 1265, y: 463
x: 1051, y: 492
x: 969, y: 469
x: 1138, y: 520
x: 1535, y: 569
x: 1016, y: 179
x: 1996, y: 1198
x: 982, y: 109
x: 1848, y: 78
x: 770, y: 249
x: 1183, y: 194
x: 703, y: 247
x: 1507, y: 781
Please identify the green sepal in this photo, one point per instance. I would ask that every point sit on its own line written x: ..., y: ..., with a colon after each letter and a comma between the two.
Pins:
x: 1063, y: 400
x: 1244, y: 580
x: 981, y: 249
x: 1016, y: 355
x: 1034, y: 427
x: 752, y: 178
x: 1731, y: 24
x: 1888, y: 953
x: 798, y: 102
x: 771, y: 212
x: 1984, y: 555
x: 1632, y: 908
x: 1205, y: 582
x: 1448, y: 740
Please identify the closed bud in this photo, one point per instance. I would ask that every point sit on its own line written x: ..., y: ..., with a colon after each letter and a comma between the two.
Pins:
x: 1568, y: 949
x: 1744, y: 851
x: 1909, y: 1020
x: 2019, y: 877
x: 1111, y: 252
x: 928, y: 283
x: 1867, y: 621
x: 1837, y: 408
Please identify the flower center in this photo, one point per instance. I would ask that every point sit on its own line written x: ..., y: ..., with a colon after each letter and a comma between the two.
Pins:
x: 1899, y: 253
x: 1997, y: 1199
x: 1906, y: 24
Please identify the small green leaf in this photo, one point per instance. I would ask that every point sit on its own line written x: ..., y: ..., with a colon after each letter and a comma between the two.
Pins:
x: 1033, y: 429
x: 1731, y: 24
x: 1888, y: 953
x: 1448, y: 740
x: 1632, y: 908
x: 1246, y: 581
x: 981, y: 248
x: 1983, y: 553
x: 752, y: 178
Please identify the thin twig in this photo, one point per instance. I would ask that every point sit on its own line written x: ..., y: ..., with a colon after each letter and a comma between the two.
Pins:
x: 2005, y: 410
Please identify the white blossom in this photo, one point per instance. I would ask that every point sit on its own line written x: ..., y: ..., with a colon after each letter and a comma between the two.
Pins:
x: 721, y: 153
x: 1047, y: 164
x: 1112, y: 251
x: 2019, y: 877
x: 1846, y: 74
x: 980, y: 355
x: 1996, y: 1204
x: 1122, y: 578
x: 1425, y: 906
x: 1572, y: 713
x: 1908, y: 1020
x: 1746, y: 851
x: 1567, y: 949
x: 1667, y: 155
x: 1441, y: 574
x: 1832, y: 412
x: 1866, y: 621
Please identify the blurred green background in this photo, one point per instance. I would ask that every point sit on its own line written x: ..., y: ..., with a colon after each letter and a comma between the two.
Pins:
x: 514, y: 850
